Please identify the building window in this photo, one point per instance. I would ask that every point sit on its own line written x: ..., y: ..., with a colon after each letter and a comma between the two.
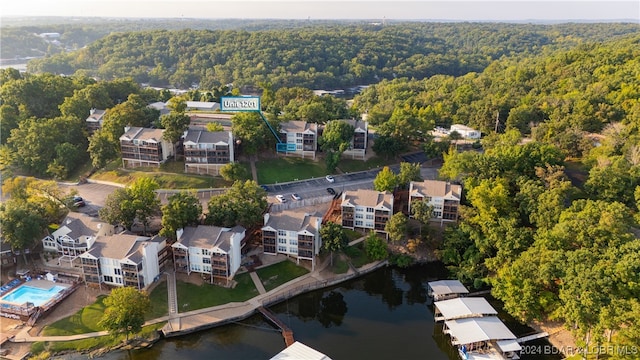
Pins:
x: 293, y: 242
x: 117, y: 271
x: 206, y: 260
x: 282, y: 249
x: 369, y: 217
x: 359, y: 216
x: 206, y: 252
x: 118, y: 280
x: 358, y: 222
x: 282, y: 233
x: 108, y: 278
x: 369, y: 209
x: 298, y: 135
x: 282, y: 240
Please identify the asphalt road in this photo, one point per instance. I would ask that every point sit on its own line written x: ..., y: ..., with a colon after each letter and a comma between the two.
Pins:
x: 96, y: 194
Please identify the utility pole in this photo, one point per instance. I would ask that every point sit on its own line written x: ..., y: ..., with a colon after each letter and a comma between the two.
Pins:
x: 497, y: 120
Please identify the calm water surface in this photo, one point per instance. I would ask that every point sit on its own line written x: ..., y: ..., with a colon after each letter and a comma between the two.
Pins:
x: 382, y: 315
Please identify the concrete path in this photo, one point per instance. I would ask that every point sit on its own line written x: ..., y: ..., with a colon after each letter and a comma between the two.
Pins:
x: 172, y: 293
x: 254, y: 170
x: 257, y: 282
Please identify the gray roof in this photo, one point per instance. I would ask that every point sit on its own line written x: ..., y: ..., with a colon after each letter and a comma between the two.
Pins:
x: 81, y: 225
x: 206, y: 137
x: 357, y: 124
x: 436, y: 188
x: 291, y: 220
x: 297, y: 126
x: 467, y: 331
x: 96, y: 116
x: 142, y: 134
x: 206, y: 237
x: 368, y: 198
x: 117, y: 246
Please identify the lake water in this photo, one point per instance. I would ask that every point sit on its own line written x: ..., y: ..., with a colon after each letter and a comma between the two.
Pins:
x: 382, y: 315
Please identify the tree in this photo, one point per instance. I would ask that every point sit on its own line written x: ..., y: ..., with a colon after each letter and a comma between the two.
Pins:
x: 388, y: 146
x: 101, y: 149
x: 421, y: 211
x: 174, y: 124
x: 335, y: 139
x: 184, y: 208
x: 333, y: 238
x: 244, y: 203
x: 251, y: 131
x: 214, y: 127
x: 408, y: 173
x: 386, y: 180
x: 396, y: 227
x: 125, y: 310
x: 22, y: 223
x: 137, y: 201
x: 375, y: 247
x: 234, y: 171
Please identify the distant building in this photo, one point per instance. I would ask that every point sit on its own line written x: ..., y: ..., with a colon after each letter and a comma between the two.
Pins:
x: 301, y: 133
x: 465, y: 131
x: 144, y: 147
x: 124, y: 260
x: 207, y: 152
x: 202, y: 106
x: 367, y: 209
x: 292, y: 233
x: 160, y: 106
x: 443, y: 196
x: 94, y: 121
x: 75, y: 236
x: 49, y: 35
x: 213, y: 251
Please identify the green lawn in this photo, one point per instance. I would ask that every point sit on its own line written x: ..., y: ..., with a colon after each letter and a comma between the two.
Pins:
x: 339, y: 265
x: 84, y: 321
x: 352, y: 234
x: 283, y: 169
x: 193, y: 297
x: 349, y: 165
x: 168, y: 176
x: 357, y: 254
x: 277, y: 274
x: 159, y: 302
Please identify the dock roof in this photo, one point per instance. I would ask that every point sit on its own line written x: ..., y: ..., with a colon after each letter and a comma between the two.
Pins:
x: 300, y: 351
x: 472, y: 330
x: 460, y: 308
x: 444, y: 287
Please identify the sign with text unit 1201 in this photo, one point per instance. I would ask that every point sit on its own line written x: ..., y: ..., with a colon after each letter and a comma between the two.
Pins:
x: 240, y: 103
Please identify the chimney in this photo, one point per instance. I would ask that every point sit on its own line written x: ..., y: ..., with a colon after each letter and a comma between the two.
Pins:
x: 92, y: 111
x: 266, y: 218
x: 126, y: 128
x: 69, y: 221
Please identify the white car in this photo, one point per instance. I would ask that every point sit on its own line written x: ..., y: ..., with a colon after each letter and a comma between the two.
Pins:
x: 281, y: 198
x: 330, y: 178
x: 295, y: 196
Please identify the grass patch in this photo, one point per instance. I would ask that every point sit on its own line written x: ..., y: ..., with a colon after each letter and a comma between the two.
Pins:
x: 283, y: 169
x: 358, y: 255
x: 350, y: 165
x: 277, y: 274
x: 193, y: 297
x: 169, y: 176
x: 159, y: 302
x: 147, y: 332
x: 84, y: 321
x: 83, y: 170
x: 340, y: 266
x: 352, y: 234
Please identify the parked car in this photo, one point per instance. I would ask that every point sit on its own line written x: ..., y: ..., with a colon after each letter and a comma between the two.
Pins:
x: 330, y: 178
x: 331, y: 191
x: 78, y: 201
x: 295, y: 196
x: 264, y: 187
x: 281, y: 198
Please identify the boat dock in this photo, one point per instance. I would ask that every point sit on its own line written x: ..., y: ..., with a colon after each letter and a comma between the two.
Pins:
x: 524, y: 339
x: 287, y: 333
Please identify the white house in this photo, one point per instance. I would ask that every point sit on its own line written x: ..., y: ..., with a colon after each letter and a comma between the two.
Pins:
x: 367, y: 209
x: 123, y: 260
x: 292, y: 233
x: 301, y: 133
x: 76, y: 235
x: 465, y: 131
x: 212, y: 251
x: 443, y: 196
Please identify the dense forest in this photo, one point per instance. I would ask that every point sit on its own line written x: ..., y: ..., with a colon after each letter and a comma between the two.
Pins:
x: 325, y: 56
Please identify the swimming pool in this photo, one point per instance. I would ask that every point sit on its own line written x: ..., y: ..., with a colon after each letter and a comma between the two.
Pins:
x: 34, y: 295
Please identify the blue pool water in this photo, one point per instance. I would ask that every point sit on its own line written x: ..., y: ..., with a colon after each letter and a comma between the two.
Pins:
x: 33, y: 295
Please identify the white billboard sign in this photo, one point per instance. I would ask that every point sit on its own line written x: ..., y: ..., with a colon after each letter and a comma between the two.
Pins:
x: 240, y: 103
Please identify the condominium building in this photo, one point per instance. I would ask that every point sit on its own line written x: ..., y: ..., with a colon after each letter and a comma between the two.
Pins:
x: 207, y: 152
x: 94, y: 121
x: 144, y: 147
x: 303, y: 134
x: 124, y: 260
x: 443, y: 196
x: 76, y: 235
x: 213, y: 251
x: 358, y: 146
x: 292, y: 233
x: 367, y: 209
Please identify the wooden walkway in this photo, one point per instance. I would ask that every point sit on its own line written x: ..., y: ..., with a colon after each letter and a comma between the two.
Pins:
x: 532, y: 337
x: 287, y: 333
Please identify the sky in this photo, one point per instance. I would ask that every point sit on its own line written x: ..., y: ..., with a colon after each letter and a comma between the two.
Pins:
x: 455, y: 10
